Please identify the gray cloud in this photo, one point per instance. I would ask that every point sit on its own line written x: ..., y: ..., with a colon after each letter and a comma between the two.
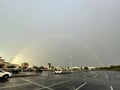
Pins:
x: 95, y: 23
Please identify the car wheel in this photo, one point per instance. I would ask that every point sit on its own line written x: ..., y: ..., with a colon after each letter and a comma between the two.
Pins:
x: 6, y: 76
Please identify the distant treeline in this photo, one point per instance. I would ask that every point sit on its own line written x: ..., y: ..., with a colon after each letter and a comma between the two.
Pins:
x: 115, y: 68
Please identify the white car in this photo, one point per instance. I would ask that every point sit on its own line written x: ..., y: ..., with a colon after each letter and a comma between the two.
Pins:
x: 62, y: 72
x: 58, y: 72
x: 4, y: 74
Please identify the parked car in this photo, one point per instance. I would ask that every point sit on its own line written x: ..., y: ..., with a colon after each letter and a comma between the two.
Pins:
x: 58, y: 71
x: 62, y: 72
x: 38, y: 70
x: 4, y: 74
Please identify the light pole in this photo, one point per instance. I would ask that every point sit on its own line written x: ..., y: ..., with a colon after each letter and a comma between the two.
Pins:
x: 10, y: 60
x: 70, y: 57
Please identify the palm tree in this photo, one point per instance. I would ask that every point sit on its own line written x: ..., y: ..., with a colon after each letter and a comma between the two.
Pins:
x: 49, y: 65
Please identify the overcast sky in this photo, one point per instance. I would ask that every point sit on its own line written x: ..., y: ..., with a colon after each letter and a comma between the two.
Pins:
x: 85, y: 32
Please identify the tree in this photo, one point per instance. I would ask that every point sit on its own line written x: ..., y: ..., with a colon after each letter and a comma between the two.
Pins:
x: 20, y: 67
x: 1, y: 65
x: 41, y: 67
x: 49, y: 65
x: 12, y: 66
x: 86, y: 68
x: 35, y: 67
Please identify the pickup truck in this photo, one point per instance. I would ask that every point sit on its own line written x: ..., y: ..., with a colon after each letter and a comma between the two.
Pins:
x: 4, y: 74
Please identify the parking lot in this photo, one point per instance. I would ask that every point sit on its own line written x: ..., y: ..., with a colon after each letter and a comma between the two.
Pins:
x: 92, y: 80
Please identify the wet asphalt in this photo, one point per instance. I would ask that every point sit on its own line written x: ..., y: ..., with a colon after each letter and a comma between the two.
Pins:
x: 92, y: 80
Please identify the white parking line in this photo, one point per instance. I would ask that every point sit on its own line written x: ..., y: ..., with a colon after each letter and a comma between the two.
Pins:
x: 106, y: 76
x: 111, y: 88
x: 36, y: 83
x: 81, y: 86
x: 53, y: 84
x: 14, y: 86
x: 96, y: 75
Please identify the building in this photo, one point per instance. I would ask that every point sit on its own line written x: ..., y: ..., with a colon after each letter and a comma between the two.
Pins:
x: 76, y: 68
x: 58, y: 68
x: 91, y: 68
x: 25, y: 65
x: 11, y: 65
x: 7, y: 64
x: 1, y: 60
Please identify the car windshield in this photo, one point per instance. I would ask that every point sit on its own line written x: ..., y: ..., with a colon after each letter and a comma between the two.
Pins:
x: 60, y: 44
